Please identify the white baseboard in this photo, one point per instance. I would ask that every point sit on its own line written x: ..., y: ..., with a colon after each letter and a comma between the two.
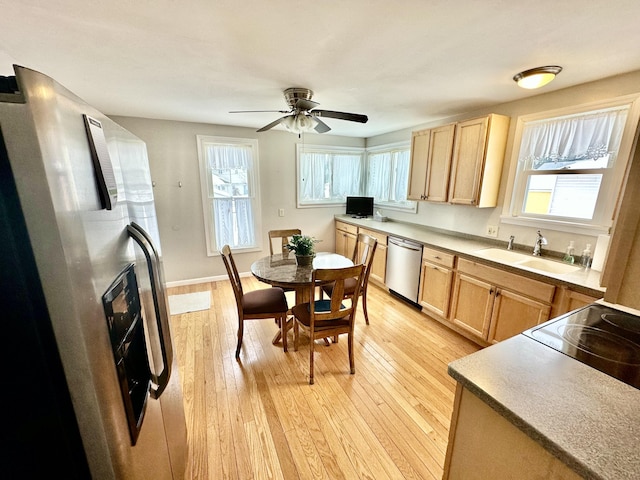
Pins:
x: 195, y: 281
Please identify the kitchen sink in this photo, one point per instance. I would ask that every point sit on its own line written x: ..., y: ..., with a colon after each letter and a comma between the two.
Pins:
x: 526, y: 261
x: 501, y: 255
x: 548, y: 266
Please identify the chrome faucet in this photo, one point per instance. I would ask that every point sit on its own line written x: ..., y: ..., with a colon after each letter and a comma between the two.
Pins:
x: 540, y: 240
x: 510, y: 245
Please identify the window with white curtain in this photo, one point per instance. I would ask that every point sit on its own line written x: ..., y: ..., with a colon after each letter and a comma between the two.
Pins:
x: 387, y: 176
x: 228, y: 174
x: 327, y: 175
x: 570, y: 165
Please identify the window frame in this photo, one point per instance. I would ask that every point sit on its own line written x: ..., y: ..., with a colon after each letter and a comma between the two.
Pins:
x: 605, y: 210
x: 253, y: 183
x: 325, y: 149
x: 412, y: 205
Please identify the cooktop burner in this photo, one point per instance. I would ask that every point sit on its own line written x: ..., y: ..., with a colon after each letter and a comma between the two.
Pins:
x: 599, y: 336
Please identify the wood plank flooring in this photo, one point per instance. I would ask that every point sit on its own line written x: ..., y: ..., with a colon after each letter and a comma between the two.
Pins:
x: 258, y: 418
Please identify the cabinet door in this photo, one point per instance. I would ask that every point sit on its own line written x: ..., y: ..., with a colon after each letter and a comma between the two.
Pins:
x: 341, y: 242
x: 513, y: 314
x: 468, y: 161
x: 379, y: 266
x: 439, y: 163
x: 418, y: 170
x: 471, y: 304
x: 435, y: 288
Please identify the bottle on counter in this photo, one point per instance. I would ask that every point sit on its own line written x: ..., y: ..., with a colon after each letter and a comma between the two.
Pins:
x: 568, y: 256
x: 585, y: 260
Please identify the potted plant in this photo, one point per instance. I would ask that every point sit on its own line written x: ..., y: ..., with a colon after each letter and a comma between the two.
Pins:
x: 304, y: 248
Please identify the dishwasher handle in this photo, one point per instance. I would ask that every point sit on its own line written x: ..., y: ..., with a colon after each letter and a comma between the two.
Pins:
x: 404, y: 244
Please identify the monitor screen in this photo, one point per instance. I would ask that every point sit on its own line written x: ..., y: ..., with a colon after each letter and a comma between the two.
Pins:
x: 360, y: 206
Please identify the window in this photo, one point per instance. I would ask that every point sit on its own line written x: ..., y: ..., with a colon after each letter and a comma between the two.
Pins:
x: 570, y: 166
x: 228, y: 173
x: 387, y: 176
x: 327, y: 175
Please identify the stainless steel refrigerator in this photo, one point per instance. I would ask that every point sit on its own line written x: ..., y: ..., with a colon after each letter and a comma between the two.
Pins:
x: 90, y: 383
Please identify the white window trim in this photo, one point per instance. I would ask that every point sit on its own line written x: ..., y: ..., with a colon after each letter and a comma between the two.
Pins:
x: 623, y: 158
x: 254, y: 183
x: 303, y: 148
x: 390, y: 147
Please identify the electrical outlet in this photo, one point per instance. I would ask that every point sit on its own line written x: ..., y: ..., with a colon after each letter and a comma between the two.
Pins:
x: 492, y: 231
x: 281, y: 212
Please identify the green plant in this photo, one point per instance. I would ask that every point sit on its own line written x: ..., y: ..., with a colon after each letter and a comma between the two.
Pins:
x: 302, y: 245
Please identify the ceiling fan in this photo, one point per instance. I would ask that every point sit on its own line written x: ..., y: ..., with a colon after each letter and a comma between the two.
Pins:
x: 302, y: 115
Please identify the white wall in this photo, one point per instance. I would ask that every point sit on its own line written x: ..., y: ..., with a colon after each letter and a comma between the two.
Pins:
x: 173, y: 158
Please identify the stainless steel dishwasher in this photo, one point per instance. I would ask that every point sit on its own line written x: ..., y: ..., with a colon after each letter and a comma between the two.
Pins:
x: 404, y: 260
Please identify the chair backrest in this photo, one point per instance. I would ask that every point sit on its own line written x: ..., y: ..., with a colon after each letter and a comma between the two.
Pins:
x: 363, y: 253
x: 234, y: 277
x: 285, y: 235
x: 334, y: 308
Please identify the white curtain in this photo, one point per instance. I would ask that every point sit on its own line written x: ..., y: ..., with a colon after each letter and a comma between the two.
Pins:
x: 329, y: 176
x: 229, y: 169
x: 379, y: 175
x: 569, y: 139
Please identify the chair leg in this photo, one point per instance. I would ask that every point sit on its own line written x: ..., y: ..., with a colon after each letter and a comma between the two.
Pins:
x: 364, y: 307
x: 352, y: 364
x: 284, y: 329
x: 240, y: 332
x: 311, y: 343
x: 296, y: 333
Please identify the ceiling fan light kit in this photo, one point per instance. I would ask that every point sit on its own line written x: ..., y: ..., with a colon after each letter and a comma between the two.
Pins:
x: 537, y: 77
x: 302, y: 115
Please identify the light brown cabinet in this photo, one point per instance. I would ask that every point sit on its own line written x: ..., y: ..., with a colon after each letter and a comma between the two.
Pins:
x: 459, y: 163
x: 346, y: 235
x: 494, y: 305
x: 482, y: 445
x: 379, y: 266
x: 436, y: 279
x: 430, y: 163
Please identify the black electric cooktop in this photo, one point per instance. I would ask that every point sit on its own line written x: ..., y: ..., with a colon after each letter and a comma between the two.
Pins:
x: 599, y: 336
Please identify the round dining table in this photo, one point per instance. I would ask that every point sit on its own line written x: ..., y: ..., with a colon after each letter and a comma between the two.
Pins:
x: 281, y: 270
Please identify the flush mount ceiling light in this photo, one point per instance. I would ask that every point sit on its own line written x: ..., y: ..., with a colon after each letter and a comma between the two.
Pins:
x: 299, y: 123
x: 537, y: 77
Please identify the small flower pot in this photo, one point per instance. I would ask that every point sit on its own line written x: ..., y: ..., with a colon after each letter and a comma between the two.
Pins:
x: 304, y: 260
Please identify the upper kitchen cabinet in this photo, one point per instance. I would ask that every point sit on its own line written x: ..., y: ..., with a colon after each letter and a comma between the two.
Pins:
x: 459, y: 163
x: 430, y: 163
x: 476, y: 165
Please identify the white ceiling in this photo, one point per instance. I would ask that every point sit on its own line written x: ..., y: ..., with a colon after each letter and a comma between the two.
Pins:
x: 402, y: 63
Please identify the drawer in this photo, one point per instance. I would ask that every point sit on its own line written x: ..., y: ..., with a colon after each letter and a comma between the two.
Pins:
x: 346, y: 227
x: 512, y: 281
x: 381, y: 237
x: 437, y: 256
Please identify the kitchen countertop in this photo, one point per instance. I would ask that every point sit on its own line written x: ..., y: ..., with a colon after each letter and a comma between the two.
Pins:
x: 584, y: 280
x: 585, y: 418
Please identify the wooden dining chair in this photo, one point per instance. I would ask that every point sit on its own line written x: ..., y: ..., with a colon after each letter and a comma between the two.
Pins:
x: 285, y: 236
x: 332, y: 317
x: 257, y: 304
x: 363, y: 254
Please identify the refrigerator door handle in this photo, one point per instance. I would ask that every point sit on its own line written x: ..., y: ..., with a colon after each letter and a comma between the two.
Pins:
x: 143, y: 239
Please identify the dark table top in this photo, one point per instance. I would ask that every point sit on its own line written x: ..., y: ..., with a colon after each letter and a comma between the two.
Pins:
x: 282, y: 271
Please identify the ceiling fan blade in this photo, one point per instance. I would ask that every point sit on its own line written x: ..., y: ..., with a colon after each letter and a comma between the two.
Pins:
x: 261, y: 111
x: 321, y: 127
x: 304, y: 104
x: 272, y: 124
x: 351, y: 117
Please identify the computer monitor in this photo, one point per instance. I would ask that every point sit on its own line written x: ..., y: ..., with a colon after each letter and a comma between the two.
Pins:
x: 360, y: 207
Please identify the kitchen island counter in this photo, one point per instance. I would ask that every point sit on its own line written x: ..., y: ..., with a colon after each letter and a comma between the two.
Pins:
x: 585, y: 418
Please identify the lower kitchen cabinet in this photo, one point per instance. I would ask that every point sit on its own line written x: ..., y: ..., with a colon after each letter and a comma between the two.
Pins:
x: 483, y: 444
x: 346, y: 235
x: 436, y: 279
x: 484, y: 307
x: 379, y: 266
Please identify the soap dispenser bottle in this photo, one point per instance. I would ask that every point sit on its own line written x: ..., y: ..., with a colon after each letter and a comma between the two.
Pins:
x: 568, y: 257
x: 585, y: 260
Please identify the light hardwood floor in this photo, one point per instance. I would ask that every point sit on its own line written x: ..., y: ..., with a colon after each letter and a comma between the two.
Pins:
x: 259, y: 418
